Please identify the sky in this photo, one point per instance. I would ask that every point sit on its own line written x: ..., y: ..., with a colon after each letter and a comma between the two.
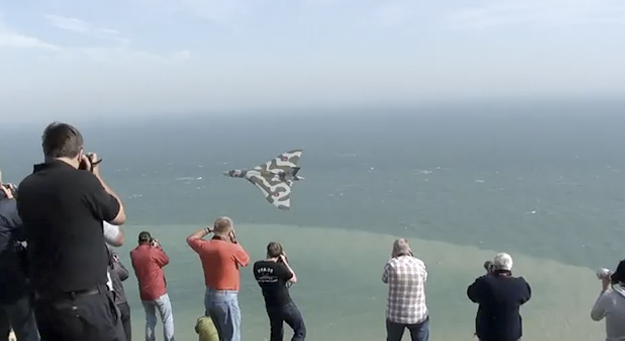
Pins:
x: 118, y: 58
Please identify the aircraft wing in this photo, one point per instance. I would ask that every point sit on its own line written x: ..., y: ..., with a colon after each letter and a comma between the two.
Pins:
x: 281, y: 163
x: 277, y: 192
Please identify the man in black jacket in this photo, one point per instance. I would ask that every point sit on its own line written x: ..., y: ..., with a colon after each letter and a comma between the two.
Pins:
x: 15, y: 296
x: 500, y: 296
x: 119, y: 273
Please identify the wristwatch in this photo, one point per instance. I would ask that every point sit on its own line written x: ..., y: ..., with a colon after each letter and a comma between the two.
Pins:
x: 207, y: 230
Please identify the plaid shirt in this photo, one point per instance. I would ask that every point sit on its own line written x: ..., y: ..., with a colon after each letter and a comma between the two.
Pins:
x: 406, y: 277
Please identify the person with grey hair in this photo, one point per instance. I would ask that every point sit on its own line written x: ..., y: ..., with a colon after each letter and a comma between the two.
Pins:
x: 611, y: 303
x: 406, y: 306
x: 500, y: 297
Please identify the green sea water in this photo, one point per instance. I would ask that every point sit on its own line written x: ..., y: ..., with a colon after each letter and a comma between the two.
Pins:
x: 548, y: 189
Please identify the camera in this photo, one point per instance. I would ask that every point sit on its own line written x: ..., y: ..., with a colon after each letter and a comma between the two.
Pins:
x: 92, y: 163
x: 280, y: 258
x: 154, y: 242
x: 603, y: 273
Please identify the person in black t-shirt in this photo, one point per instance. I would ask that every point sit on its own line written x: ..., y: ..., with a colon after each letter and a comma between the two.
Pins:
x: 62, y: 205
x: 274, y: 275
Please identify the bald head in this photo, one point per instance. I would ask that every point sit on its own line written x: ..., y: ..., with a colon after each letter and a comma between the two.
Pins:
x: 401, y: 248
x: 222, y: 226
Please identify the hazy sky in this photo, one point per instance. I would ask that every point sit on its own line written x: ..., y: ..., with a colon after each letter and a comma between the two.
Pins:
x: 61, y: 58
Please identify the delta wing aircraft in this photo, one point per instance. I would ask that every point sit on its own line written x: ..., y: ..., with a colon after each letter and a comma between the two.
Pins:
x: 274, y: 178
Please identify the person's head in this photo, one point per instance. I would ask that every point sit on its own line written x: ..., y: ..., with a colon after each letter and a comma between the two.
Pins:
x: 619, y: 274
x: 401, y: 248
x: 145, y: 238
x: 223, y: 226
x: 64, y: 142
x: 274, y: 250
x: 502, y: 262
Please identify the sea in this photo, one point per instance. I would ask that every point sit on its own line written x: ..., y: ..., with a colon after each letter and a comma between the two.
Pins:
x: 543, y: 182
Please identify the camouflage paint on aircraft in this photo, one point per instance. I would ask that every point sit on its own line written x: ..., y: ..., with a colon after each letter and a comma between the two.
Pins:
x: 274, y: 178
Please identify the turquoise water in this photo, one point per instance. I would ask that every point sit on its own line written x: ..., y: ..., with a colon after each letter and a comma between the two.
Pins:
x: 460, y: 186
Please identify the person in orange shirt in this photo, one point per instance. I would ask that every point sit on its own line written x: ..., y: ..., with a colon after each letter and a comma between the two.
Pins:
x: 148, y: 260
x: 221, y: 257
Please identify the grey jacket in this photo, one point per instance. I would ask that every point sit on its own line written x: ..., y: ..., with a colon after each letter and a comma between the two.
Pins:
x: 118, y: 273
x: 611, y: 306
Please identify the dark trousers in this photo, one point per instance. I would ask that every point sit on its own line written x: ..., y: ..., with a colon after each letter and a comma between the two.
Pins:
x: 91, y: 317
x: 418, y: 332
x: 289, y: 314
x: 19, y: 316
x: 124, y: 310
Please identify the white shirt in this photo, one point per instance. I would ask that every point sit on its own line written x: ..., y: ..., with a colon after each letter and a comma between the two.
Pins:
x: 111, y: 232
x: 406, y: 277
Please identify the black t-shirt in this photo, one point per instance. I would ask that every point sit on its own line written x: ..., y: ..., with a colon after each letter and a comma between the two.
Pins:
x: 62, y: 210
x: 272, y: 278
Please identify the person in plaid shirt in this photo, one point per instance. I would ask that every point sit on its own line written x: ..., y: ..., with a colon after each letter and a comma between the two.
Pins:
x: 405, y: 308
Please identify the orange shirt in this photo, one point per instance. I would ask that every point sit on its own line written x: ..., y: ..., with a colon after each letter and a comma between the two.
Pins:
x: 220, y: 261
x: 148, y: 263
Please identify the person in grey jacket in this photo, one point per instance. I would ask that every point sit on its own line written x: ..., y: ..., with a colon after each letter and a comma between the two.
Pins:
x: 611, y: 303
x: 119, y: 273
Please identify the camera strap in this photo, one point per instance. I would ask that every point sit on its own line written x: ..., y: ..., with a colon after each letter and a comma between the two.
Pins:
x: 93, y: 164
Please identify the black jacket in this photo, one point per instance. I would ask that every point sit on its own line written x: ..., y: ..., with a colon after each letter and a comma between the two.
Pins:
x: 500, y: 297
x: 118, y: 273
x: 13, y: 280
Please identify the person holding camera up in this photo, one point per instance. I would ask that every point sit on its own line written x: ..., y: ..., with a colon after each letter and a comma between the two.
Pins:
x: 62, y: 205
x: 148, y: 260
x: 406, y: 306
x: 274, y: 275
x: 15, y: 297
x: 221, y: 257
x: 611, y: 303
x: 500, y: 297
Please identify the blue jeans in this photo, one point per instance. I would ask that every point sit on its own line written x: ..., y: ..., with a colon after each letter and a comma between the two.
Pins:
x: 292, y: 316
x: 222, y: 306
x: 418, y: 332
x: 163, y: 305
x: 21, y: 316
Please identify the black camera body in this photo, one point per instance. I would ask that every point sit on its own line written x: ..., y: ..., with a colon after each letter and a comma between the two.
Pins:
x: 280, y: 258
x: 92, y: 163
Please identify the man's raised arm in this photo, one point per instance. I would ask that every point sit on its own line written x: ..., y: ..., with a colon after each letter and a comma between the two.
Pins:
x: 196, y: 238
x: 291, y: 276
x: 105, y: 204
x: 120, y: 218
